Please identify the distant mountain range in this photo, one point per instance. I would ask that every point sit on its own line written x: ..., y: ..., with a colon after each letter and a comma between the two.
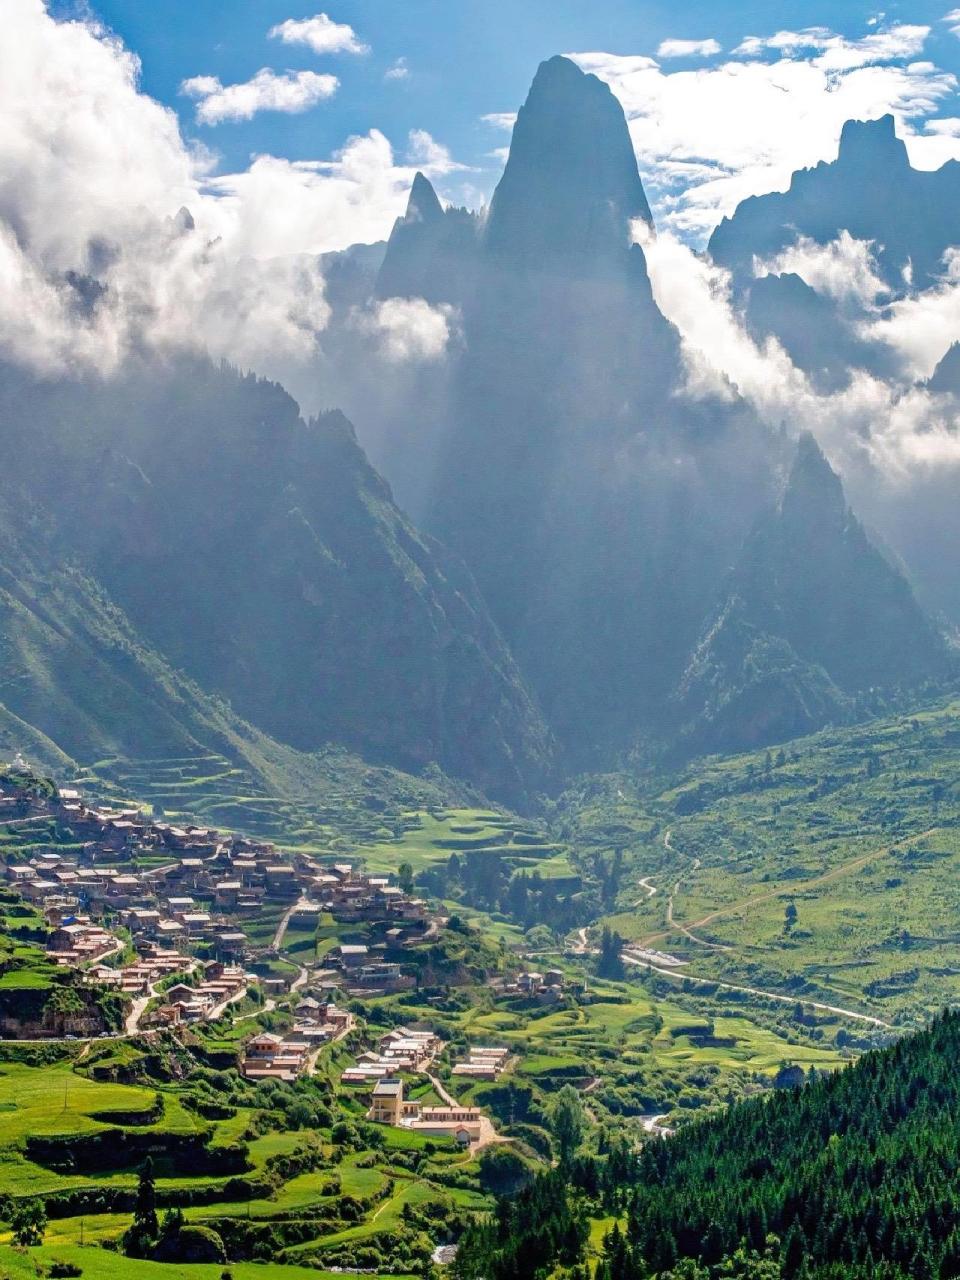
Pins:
x: 601, y: 561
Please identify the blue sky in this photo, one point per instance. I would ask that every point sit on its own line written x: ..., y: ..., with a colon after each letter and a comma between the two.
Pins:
x: 463, y: 59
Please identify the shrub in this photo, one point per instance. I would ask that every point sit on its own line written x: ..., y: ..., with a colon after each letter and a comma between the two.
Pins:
x: 199, y: 1244
x: 503, y: 1171
x: 28, y: 1222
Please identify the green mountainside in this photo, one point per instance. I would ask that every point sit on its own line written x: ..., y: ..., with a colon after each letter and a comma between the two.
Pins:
x: 189, y: 512
x: 812, y: 617
x: 853, y: 1171
x: 83, y: 695
x: 857, y: 829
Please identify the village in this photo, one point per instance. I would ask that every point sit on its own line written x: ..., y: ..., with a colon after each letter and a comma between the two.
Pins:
x: 157, y: 912
x: 162, y: 915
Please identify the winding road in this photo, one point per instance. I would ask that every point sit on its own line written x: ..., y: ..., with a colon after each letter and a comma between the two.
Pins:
x: 756, y: 991
x: 641, y: 956
x: 791, y: 887
x: 282, y: 926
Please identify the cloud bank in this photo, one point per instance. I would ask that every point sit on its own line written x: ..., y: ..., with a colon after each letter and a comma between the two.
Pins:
x: 116, y: 235
x: 844, y: 269
x: 902, y: 432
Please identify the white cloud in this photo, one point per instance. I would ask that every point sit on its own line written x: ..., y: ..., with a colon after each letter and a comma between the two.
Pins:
x: 708, y: 138
x: 281, y: 206
x: 397, y: 71
x: 839, y: 53
x: 290, y: 93
x: 905, y: 432
x: 500, y: 119
x: 953, y: 18
x: 688, y: 48
x: 947, y: 127
x: 844, y: 269
x: 319, y: 33
x: 92, y: 175
x: 434, y: 159
x: 408, y: 329
x: 921, y: 326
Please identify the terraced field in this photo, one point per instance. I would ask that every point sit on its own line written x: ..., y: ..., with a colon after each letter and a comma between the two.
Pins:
x: 634, y: 1048
x: 79, y: 1144
x: 319, y: 802
x: 431, y: 836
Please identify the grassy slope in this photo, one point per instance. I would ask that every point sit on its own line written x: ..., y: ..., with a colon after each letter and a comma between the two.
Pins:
x: 859, y: 828
x: 82, y: 692
x: 432, y: 836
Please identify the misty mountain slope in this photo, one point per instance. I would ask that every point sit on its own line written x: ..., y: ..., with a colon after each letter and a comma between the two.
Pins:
x: 78, y: 683
x: 265, y: 557
x: 81, y: 689
x: 871, y: 191
x: 401, y: 399
x: 812, y: 616
x: 809, y: 327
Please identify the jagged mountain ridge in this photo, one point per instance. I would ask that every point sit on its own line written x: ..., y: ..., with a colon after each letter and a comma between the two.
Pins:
x: 811, y: 617
x: 431, y: 250
x: 264, y: 556
x: 870, y: 190
x: 905, y: 218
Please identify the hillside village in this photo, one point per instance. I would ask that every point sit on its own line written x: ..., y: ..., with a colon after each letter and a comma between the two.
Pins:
x: 157, y: 912
x: 166, y: 918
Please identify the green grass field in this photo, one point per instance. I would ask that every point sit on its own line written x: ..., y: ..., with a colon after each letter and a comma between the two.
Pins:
x: 431, y: 837
x: 100, y: 1264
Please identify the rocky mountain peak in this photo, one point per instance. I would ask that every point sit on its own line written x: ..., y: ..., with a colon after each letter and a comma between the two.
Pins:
x: 872, y: 145
x: 571, y: 186
x: 813, y: 490
x: 423, y: 205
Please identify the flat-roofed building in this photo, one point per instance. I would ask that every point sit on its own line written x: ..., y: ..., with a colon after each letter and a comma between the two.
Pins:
x: 387, y: 1102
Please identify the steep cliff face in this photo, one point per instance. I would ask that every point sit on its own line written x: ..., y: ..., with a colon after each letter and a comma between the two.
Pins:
x: 570, y: 189
x: 594, y: 507
x: 811, y: 617
x: 264, y: 556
